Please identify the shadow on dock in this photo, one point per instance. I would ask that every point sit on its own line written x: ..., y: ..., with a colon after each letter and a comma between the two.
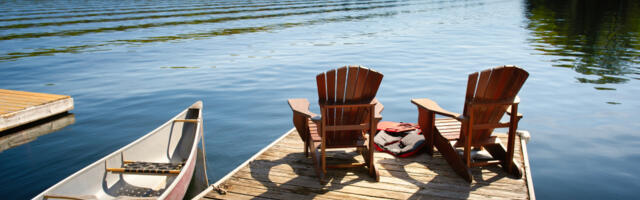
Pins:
x: 303, y: 179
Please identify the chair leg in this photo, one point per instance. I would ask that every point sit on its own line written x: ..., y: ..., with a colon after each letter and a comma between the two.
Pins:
x: 467, y: 149
x: 306, y: 148
x: 426, y: 120
x: 450, y: 154
x: 367, y: 154
x: 513, y: 126
x: 316, y: 162
x: 372, y: 133
x: 498, y: 152
x: 323, y: 162
x: 372, y: 166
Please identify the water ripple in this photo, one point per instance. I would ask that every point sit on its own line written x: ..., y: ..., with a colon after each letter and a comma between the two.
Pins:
x: 147, y: 17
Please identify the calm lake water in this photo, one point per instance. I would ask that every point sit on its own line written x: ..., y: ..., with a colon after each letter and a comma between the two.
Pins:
x: 131, y: 65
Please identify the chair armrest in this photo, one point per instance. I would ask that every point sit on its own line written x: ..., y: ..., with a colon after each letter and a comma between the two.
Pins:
x: 515, y: 101
x: 378, y: 108
x: 432, y: 106
x: 301, y: 106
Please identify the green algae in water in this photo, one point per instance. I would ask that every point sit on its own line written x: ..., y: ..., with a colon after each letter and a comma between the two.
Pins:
x: 604, y: 88
x: 179, y: 67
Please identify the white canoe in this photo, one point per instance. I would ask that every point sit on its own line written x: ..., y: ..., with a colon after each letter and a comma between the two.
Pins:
x: 118, y: 175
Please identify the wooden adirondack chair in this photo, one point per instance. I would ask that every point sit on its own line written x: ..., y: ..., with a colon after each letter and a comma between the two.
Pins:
x: 490, y: 94
x: 349, y: 111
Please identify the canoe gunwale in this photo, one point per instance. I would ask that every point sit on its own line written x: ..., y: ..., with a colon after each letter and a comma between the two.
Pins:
x: 103, y: 160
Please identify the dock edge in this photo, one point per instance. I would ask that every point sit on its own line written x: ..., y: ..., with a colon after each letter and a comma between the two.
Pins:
x: 245, y: 163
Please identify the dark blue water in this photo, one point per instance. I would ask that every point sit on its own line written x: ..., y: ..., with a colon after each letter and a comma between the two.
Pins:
x: 131, y: 65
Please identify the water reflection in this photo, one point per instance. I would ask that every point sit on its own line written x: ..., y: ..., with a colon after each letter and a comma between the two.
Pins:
x: 30, y: 132
x: 217, y: 11
x: 595, y: 38
x: 339, y: 7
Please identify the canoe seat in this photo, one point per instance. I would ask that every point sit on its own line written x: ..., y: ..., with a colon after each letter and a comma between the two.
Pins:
x: 148, y: 167
x: 187, y: 120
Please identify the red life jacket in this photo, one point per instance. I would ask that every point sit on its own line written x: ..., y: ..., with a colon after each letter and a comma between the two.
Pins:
x: 399, y: 139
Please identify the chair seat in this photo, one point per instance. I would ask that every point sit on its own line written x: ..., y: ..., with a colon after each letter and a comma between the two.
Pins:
x: 449, y: 128
x: 313, y: 130
x: 315, y: 137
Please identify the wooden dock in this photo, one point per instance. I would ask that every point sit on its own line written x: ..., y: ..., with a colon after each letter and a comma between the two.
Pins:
x: 281, y: 171
x: 19, y: 107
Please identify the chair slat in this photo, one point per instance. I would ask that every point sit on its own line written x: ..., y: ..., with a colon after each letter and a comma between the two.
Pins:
x: 361, y: 84
x: 331, y: 86
x: 471, y: 90
x: 351, y: 83
x: 503, y: 85
x: 341, y: 80
x: 347, y: 127
x: 331, y: 99
x: 352, y: 79
x: 373, y: 82
x: 487, y: 113
x: 481, y: 93
x: 483, y: 82
x: 322, y: 87
x: 341, y: 84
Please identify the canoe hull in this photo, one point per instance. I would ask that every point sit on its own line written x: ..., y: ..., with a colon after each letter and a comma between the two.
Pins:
x: 176, y: 141
x: 181, y: 188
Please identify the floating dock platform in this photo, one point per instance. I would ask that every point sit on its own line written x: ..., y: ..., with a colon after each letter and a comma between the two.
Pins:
x: 281, y: 171
x: 18, y: 107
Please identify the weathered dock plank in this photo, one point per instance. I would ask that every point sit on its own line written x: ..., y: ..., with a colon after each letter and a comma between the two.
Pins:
x: 20, y: 107
x: 281, y: 171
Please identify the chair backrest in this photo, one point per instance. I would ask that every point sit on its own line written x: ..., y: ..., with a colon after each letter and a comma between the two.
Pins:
x: 491, y: 85
x: 344, y: 86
